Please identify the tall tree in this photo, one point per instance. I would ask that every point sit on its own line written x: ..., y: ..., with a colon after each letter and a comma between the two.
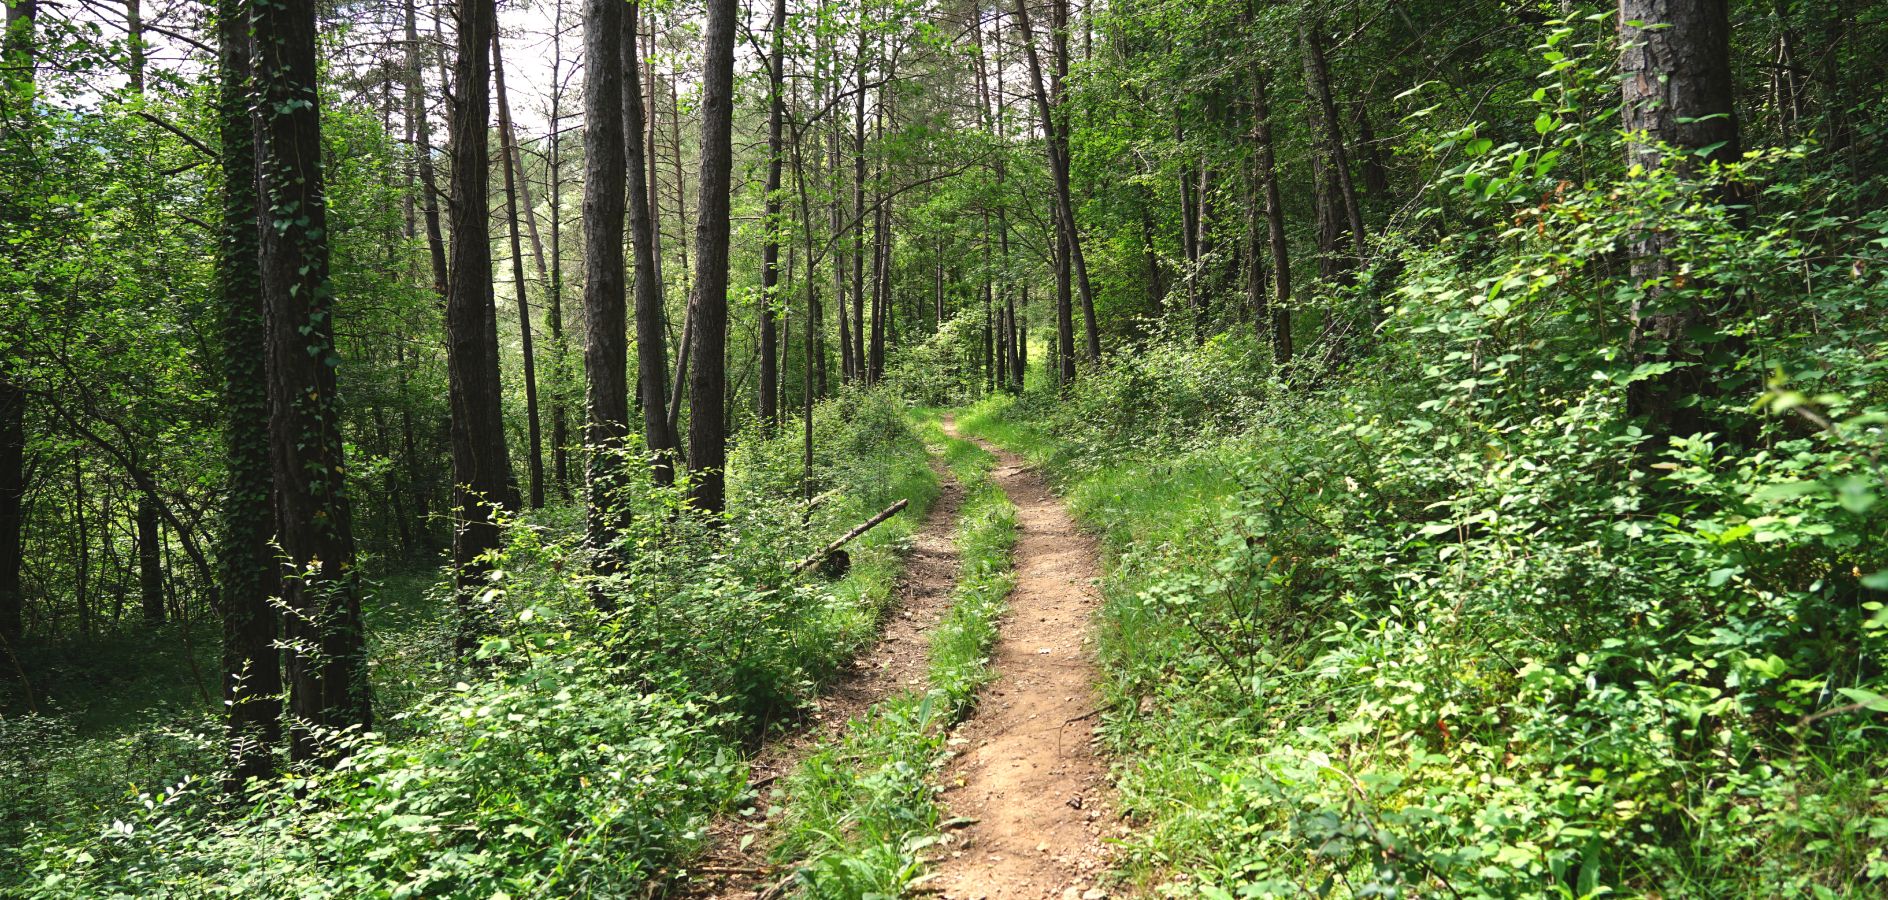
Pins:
x: 1056, y: 149
x: 770, y: 249
x: 514, y: 161
x: 247, y: 573
x: 554, y: 312
x: 1278, y: 323
x: 423, y: 150
x: 605, y: 356
x: 481, y: 469
x: 652, y: 356
x: 1337, y: 159
x: 327, y: 663
x: 707, y: 389
x: 1675, y: 92
x: 18, y: 52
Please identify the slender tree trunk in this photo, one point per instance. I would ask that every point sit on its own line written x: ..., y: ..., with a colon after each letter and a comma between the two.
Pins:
x: 652, y: 357
x: 858, y: 210
x: 1064, y: 312
x: 1059, y: 172
x: 770, y: 251
x: 605, y: 356
x: 12, y: 499
x: 481, y: 469
x: 150, y: 563
x: 1318, y: 79
x: 554, y: 311
x: 707, y: 434
x: 423, y: 153
x: 1376, y: 175
x: 513, y: 164
x: 81, y: 588
x: 1280, y: 324
x: 1675, y: 91
x: 328, y: 685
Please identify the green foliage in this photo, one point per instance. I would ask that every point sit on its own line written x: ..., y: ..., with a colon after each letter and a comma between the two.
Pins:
x: 583, y: 757
x: 1452, y: 621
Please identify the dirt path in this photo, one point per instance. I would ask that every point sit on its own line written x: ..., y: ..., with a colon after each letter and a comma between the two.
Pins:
x: 1026, y: 772
x: 896, y: 662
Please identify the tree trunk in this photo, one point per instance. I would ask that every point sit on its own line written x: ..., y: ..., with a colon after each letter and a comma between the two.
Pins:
x: 1675, y: 91
x: 1064, y: 312
x: 423, y: 133
x: 1318, y: 79
x: 770, y: 251
x: 1280, y: 323
x: 707, y: 432
x: 17, y: 51
x: 481, y: 470
x: 328, y: 685
x: 513, y: 164
x: 554, y: 311
x: 12, y: 497
x: 652, y: 356
x: 150, y: 563
x: 858, y: 211
x: 1059, y: 173
x: 605, y: 356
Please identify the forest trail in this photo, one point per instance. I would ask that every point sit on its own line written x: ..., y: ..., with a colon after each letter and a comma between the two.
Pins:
x: 1027, y: 770
x: 895, y: 662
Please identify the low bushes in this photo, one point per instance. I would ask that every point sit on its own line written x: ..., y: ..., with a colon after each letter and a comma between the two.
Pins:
x: 588, y: 752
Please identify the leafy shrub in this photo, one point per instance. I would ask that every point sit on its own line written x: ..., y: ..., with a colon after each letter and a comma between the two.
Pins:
x: 588, y: 751
x: 1449, y: 620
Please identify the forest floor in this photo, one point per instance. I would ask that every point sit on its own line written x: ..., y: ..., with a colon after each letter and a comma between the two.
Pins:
x: 1027, y: 770
x: 1026, y: 785
x: 736, y: 863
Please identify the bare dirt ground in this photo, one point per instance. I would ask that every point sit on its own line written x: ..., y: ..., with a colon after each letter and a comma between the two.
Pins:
x: 1027, y: 771
x: 896, y: 662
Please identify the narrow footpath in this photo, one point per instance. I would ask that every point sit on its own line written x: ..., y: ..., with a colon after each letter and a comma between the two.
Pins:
x: 1027, y: 773
x: 736, y: 867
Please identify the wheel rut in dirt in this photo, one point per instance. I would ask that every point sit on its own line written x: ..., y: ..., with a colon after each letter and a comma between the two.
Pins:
x: 895, y: 662
x: 1027, y: 771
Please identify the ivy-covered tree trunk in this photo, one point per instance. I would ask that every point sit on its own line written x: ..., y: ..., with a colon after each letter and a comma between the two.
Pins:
x: 605, y: 355
x: 1675, y: 92
x: 652, y: 355
x: 17, y: 52
x: 707, y: 388
x: 481, y: 468
x: 247, y: 574
x: 328, y: 662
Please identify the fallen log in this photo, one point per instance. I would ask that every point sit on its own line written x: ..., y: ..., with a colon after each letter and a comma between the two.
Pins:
x: 847, y: 538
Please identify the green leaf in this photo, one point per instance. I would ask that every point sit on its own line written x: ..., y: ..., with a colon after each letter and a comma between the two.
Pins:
x: 1868, y: 699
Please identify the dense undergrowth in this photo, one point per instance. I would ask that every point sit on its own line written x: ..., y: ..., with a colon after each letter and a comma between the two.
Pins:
x: 587, y: 752
x: 860, y: 814
x: 1442, y: 618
